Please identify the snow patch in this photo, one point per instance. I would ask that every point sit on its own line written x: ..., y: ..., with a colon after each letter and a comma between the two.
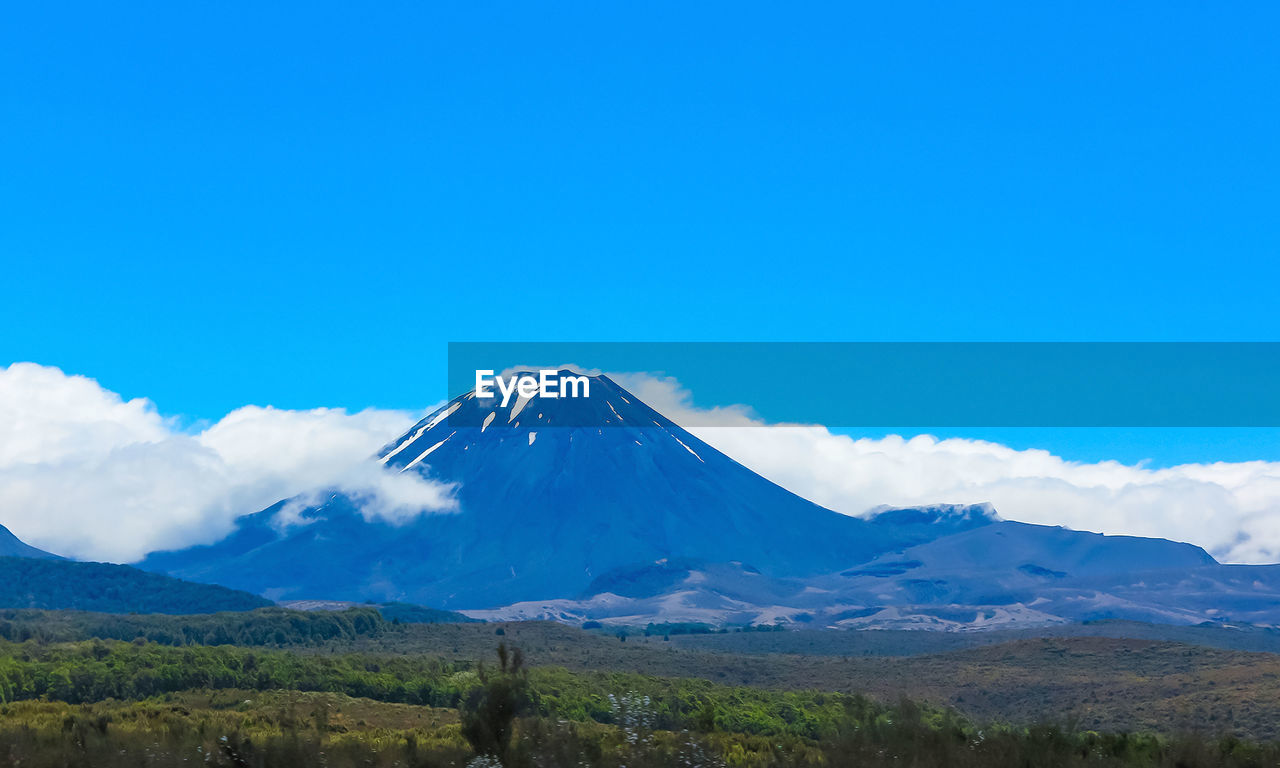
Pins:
x: 427, y: 452
x: 687, y: 448
x: 521, y: 402
x: 446, y: 413
x: 441, y: 416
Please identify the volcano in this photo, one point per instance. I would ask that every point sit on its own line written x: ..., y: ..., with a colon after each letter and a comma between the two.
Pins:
x: 552, y: 493
x: 600, y: 508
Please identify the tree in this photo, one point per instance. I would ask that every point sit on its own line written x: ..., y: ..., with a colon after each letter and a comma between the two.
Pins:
x: 489, y: 711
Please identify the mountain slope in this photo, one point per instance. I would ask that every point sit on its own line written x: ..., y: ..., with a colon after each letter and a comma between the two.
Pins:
x: 56, y: 584
x: 12, y: 546
x: 1001, y: 574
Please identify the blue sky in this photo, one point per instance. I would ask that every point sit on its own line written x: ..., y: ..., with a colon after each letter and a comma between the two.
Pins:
x: 222, y: 204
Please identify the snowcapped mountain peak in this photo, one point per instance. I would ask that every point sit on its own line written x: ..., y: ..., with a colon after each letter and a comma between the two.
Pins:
x: 573, y: 412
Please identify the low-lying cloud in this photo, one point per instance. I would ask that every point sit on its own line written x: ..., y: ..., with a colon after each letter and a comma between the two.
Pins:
x: 1230, y: 509
x: 87, y: 474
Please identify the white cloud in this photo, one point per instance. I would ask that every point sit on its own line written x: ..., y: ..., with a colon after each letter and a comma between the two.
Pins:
x: 1230, y: 509
x: 87, y: 474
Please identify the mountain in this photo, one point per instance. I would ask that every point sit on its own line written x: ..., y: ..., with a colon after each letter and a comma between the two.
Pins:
x: 551, y: 494
x: 57, y: 584
x: 600, y: 508
x: 1000, y: 574
x: 12, y: 546
x: 1015, y: 573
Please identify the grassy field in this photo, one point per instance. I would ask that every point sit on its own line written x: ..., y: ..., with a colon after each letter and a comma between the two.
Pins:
x: 1100, y: 683
x: 357, y: 690
x: 913, y: 643
x: 230, y: 728
x: 112, y: 703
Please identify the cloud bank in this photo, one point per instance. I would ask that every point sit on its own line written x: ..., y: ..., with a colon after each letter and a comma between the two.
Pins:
x: 1230, y: 509
x: 87, y: 474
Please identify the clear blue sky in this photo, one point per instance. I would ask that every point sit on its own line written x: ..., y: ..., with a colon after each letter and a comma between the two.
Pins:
x: 221, y: 204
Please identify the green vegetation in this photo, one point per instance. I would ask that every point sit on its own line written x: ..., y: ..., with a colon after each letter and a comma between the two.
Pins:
x: 489, y: 710
x: 408, y: 613
x: 65, y: 584
x: 889, y: 642
x: 679, y: 628
x: 277, y: 627
x: 96, y: 670
x: 95, y: 702
x: 1099, y: 683
x: 279, y: 687
x: 229, y: 729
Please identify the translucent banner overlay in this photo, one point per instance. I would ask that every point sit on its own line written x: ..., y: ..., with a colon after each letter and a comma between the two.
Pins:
x: 943, y: 384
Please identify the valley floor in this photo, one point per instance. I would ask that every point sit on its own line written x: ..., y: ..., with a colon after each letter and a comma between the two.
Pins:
x: 285, y: 688
x: 1098, y: 683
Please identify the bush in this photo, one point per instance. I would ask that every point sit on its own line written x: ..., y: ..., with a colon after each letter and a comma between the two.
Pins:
x: 490, y: 710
